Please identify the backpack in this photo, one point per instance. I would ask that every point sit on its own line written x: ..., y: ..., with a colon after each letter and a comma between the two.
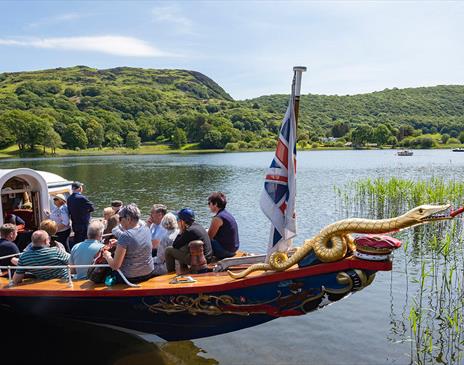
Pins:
x: 98, y: 274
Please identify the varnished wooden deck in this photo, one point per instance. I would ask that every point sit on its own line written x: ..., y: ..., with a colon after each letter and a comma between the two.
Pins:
x: 160, y: 285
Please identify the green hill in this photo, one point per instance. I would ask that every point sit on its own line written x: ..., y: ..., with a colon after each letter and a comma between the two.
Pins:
x: 82, y: 107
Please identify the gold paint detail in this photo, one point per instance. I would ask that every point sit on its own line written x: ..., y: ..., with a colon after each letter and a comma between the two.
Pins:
x: 333, y: 241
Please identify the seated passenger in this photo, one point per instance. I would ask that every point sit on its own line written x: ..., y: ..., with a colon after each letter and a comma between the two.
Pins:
x: 189, y: 231
x: 50, y: 227
x: 223, y: 230
x: 84, y: 252
x: 8, y: 233
x: 170, y: 227
x: 157, y: 213
x: 41, y: 254
x: 13, y: 219
x: 113, y: 218
x: 133, y: 248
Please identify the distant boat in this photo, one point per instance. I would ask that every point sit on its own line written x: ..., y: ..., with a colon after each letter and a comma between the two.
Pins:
x: 405, y: 153
x: 459, y: 149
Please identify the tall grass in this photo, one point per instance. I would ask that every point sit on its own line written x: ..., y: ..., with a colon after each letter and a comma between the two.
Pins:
x: 433, y: 316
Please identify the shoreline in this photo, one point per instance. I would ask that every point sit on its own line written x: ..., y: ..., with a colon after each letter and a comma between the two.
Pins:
x: 13, y: 152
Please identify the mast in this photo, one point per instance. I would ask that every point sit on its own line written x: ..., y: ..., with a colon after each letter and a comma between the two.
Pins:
x: 298, y: 71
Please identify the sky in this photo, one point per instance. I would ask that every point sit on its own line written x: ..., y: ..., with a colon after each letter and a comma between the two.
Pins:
x: 248, y: 47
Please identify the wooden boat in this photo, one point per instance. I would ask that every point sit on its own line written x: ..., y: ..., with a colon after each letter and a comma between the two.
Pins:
x: 236, y: 293
x: 405, y: 153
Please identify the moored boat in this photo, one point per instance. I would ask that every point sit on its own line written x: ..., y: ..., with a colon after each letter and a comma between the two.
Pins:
x: 459, y: 149
x: 405, y: 153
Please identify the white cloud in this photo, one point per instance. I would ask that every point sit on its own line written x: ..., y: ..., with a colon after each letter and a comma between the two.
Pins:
x: 56, y: 19
x: 172, y: 14
x: 115, y: 45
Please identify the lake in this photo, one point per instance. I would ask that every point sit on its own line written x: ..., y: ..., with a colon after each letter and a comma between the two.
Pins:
x: 370, y: 327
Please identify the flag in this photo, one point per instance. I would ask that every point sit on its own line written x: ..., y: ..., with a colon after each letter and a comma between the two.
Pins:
x: 278, y: 197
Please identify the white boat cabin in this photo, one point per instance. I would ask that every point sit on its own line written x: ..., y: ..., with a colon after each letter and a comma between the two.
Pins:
x: 26, y: 193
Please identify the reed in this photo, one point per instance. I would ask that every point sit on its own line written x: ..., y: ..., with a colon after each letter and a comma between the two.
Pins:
x: 433, y: 260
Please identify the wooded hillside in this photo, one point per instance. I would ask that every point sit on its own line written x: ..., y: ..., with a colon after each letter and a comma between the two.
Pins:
x: 81, y: 107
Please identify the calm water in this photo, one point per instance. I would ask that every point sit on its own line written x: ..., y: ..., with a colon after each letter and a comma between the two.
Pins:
x: 369, y: 327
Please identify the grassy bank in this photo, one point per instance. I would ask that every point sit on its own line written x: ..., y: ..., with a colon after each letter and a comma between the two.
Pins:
x: 160, y: 149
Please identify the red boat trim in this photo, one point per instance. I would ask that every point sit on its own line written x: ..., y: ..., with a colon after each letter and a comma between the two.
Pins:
x: 232, y: 285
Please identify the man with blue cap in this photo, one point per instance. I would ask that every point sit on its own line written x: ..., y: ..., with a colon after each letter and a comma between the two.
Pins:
x: 189, y: 231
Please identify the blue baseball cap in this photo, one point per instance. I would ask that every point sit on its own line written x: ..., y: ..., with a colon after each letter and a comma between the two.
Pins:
x: 186, y: 214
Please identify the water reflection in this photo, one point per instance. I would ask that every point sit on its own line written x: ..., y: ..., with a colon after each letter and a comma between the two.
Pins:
x: 71, y: 342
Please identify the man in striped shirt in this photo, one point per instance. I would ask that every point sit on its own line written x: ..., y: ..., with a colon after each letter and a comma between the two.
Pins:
x: 41, y: 254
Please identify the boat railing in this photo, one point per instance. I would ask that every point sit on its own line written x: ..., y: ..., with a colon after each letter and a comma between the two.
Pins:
x: 68, y: 267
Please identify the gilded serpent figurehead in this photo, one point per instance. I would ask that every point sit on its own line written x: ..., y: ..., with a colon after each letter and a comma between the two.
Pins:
x: 333, y: 241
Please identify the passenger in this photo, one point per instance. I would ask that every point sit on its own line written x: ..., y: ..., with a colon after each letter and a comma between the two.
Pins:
x: 189, y: 231
x: 42, y: 255
x: 8, y: 233
x: 60, y: 215
x: 79, y: 208
x: 84, y: 252
x: 13, y: 219
x: 169, y: 224
x: 113, y: 221
x: 223, y: 230
x: 108, y: 223
x: 51, y: 228
x: 133, y: 248
x: 157, y: 213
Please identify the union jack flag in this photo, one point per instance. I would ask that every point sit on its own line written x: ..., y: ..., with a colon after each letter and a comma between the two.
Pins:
x: 278, y: 197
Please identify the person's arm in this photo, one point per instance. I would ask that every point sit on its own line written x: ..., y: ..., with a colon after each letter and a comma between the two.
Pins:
x: 89, y: 205
x: 17, y: 278
x: 216, y: 223
x: 183, y: 239
x: 71, y: 262
x: 116, y: 262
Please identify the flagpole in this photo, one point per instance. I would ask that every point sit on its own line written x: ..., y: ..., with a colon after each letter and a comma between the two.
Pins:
x: 298, y: 70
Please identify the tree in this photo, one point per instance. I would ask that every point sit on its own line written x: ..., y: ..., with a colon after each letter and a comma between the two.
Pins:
x: 444, y: 138
x: 461, y: 137
x: 361, y: 134
x: 6, y: 137
x: 212, y: 139
x: 53, y: 141
x: 27, y: 128
x: 95, y: 133
x: 340, y: 128
x: 113, y: 139
x: 75, y: 137
x: 381, y: 134
x: 132, y: 140
x: 179, y: 138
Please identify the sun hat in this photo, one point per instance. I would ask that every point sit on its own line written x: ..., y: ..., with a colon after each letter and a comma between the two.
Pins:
x: 59, y: 196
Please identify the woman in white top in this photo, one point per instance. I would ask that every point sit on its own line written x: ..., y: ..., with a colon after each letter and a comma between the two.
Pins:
x: 169, y: 223
x: 60, y: 215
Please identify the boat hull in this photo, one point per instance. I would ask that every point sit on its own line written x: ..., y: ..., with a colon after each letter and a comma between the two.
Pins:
x: 188, y: 313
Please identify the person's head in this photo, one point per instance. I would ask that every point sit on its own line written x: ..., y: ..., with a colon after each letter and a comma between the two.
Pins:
x: 108, y: 212
x: 95, y: 230
x: 217, y: 201
x: 40, y: 239
x: 8, y: 231
x: 116, y: 205
x: 77, y: 186
x: 49, y: 226
x: 185, y: 217
x: 169, y: 222
x: 129, y: 216
x: 157, y: 212
x: 59, y: 200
